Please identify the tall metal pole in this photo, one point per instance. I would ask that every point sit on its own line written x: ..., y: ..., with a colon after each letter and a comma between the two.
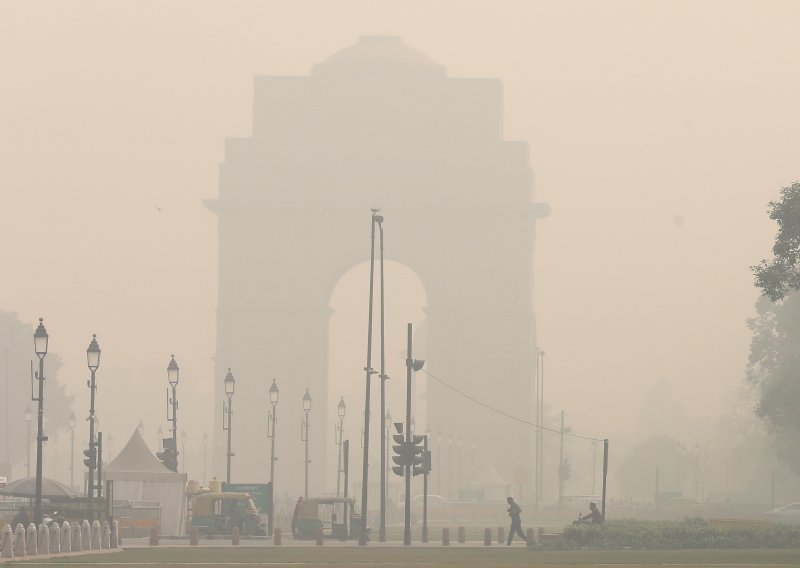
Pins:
x: 362, y: 540
x: 384, y: 446
x: 229, y: 412
x: 605, y: 474
x: 72, y: 457
x: 28, y: 418
x: 425, y: 497
x: 561, y: 464
x: 174, y: 421
x: 272, y: 451
x: 92, y: 445
x: 339, y: 440
x: 541, y: 431
x: 40, y: 439
x: 409, y: 438
x: 305, y: 429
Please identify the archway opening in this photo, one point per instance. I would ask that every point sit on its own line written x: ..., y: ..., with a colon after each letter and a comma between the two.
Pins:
x: 405, y: 301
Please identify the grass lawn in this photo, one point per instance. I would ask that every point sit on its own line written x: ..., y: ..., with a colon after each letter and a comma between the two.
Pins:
x: 431, y: 557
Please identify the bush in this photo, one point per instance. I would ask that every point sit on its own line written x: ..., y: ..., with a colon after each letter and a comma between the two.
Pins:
x: 690, y: 533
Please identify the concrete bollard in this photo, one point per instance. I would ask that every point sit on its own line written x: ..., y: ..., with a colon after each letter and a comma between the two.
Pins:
x: 529, y: 532
x: 425, y: 534
x: 445, y: 537
x: 114, y: 540
x: 194, y: 537
x: 276, y: 537
x: 320, y: 539
x: 462, y: 535
x: 96, y: 536
x: 8, y: 542
x: 19, y: 540
x: 154, y: 536
x: 487, y: 537
x: 105, y: 535
x: 55, y: 539
x: 66, y: 537
x: 43, y: 544
x: 235, y: 536
x: 77, y: 538
x: 86, y: 535
x: 501, y: 535
x: 31, y: 540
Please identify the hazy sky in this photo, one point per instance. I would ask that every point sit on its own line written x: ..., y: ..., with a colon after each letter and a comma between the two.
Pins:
x: 658, y: 132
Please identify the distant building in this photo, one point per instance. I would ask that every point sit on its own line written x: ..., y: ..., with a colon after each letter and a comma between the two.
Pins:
x: 376, y: 124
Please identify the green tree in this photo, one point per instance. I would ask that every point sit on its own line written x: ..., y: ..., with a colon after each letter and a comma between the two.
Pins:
x: 774, y: 369
x: 781, y: 275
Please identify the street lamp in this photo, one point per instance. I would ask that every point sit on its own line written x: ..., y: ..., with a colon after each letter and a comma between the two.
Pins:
x: 40, y: 339
x: 205, y: 456
x: 304, y: 433
x: 71, y: 423
x: 342, y: 409
x: 384, y: 445
x: 93, y: 362
x: 227, y: 411
x: 271, y: 422
x: 170, y: 455
x: 28, y: 418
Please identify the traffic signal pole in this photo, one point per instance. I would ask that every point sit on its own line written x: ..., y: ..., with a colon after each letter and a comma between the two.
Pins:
x: 425, y: 493
x: 409, y: 371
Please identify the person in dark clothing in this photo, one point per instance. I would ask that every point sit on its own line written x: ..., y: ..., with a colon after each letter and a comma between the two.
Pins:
x: 21, y: 518
x: 295, y: 516
x: 594, y: 516
x: 514, y: 511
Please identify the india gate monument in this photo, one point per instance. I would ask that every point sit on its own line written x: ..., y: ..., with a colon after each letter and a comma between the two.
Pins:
x: 377, y: 124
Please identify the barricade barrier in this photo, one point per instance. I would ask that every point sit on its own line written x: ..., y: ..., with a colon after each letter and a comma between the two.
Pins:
x: 462, y: 535
x: 31, y: 540
x: 20, y: 538
x: 501, y: 535
x: 86, y: 535
x: 320, y: 538
x: 529, y: 532
x: 194, y: 537
x: 105, y: 535
x: 154, y: 536
x: 77, y: 538
x: 55, y: 538
x: 276, y: 537
x: 445, y: 537
x: 8, y: 542
x: 487, y: 537
x: 235, y: 536
x: 66, y: 537
x: 96, y: 537
x: 43, y: 541
x: 114, y: 534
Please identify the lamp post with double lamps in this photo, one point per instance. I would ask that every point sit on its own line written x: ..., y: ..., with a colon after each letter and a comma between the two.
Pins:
x: 271, y: 423
x: 304, y: 435
x: 227, y: 413
x: 93, y: 362
x: 341, y: 411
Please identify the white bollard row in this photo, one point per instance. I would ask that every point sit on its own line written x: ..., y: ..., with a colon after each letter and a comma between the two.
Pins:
x: 21, y: 542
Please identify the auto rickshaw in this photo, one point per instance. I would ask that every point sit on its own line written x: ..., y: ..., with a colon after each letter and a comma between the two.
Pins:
x: 331, y: 514
x: 217, y: 513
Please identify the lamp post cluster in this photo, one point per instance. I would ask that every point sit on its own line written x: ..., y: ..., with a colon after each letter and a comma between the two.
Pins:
x: 227, y: 414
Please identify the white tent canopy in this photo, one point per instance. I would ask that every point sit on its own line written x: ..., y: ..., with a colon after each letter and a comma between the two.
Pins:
x: 138, y: 475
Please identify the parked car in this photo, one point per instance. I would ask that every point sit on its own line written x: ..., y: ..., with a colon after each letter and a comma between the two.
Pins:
x: 789, y: 514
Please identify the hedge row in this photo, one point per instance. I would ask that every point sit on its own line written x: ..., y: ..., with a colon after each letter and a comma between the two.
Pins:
x: 690, y: 533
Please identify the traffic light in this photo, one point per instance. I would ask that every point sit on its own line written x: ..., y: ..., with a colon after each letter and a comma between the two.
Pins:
x: 91, y: 458
x: 399, y: 456
x: 415, y: 449
x: 169, y: 456
x: 425, y: 467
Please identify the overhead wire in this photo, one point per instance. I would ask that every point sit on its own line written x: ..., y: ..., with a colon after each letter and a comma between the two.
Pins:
x: 506, y: 414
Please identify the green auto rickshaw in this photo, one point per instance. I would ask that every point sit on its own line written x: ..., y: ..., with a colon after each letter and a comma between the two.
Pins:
x: 334, y: 515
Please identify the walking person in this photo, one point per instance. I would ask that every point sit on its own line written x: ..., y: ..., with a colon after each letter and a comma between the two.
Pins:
x: 295, y: 516
x: 514, y: 511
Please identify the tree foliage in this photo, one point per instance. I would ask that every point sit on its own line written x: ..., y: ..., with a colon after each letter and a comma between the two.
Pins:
x: 779, y: 276
x: 774, y: 368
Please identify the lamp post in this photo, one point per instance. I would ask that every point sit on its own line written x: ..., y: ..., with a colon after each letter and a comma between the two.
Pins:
x: 341, y: 410
x: 227, y: 411
x: 439, y: 468
x: 28, y: 418
x: 173, y: 376
x: 71, y: 424
x: 205, y: 457
x: 93, y: 362
x: 384, y: 377
x: 40, y: 339
x: 450, y: 467
x: 304, y: 435
x: 362, y: 539
x: 540, y: 433
x: 271, y: 422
